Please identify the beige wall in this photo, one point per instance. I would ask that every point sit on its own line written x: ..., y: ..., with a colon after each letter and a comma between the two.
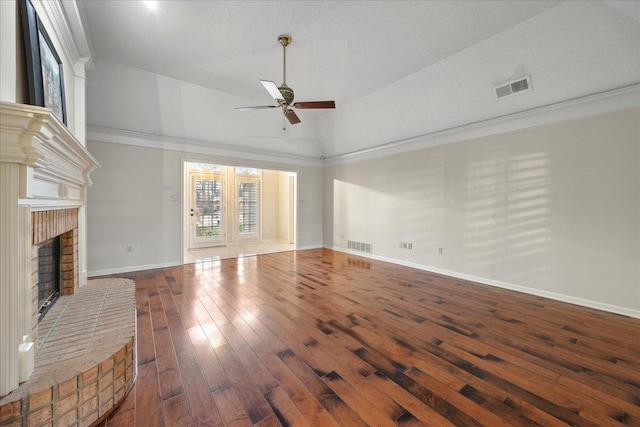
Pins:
x: 287, y: 207
x: 552, y: 209
x: 135, y: 201
x: 270, y: 204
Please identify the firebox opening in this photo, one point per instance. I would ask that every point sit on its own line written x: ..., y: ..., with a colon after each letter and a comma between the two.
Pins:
x: 48, y: 274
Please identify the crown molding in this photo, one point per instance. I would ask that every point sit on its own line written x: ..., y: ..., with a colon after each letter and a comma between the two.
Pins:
x: 67, y: 26
x: 147, y: 140
x: 606, y: 102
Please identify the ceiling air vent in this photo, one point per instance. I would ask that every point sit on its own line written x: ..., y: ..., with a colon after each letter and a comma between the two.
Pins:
x: 513, y: 87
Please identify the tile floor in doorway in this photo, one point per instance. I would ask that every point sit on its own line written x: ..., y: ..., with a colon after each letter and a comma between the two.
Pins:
x: 223, y: 252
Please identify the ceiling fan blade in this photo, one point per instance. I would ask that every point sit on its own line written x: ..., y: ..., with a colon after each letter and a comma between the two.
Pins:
x: 315, y: 104
x: 259, y: 107
x: 291, y: 116
x: 273, y: 90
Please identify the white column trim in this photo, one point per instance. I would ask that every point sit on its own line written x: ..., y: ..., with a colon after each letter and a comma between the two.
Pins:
x: 10, y: 313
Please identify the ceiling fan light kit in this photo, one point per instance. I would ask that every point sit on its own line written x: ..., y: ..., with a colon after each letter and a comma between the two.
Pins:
x: 284, y: 95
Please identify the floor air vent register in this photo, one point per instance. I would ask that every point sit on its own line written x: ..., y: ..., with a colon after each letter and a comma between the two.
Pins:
x: 360, y: 246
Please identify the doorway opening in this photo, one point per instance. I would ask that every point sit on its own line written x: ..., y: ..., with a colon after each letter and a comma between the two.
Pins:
x: 233, y: 211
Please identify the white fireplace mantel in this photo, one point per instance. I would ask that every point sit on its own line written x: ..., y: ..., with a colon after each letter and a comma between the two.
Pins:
x: 42, y: 166
x: 56, y: 167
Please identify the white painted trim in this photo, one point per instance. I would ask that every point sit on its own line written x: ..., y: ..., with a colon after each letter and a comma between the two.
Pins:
x: 57, y: 166
x: 49, y: 205
x: 43, y: 166
x: 305, y: 248
x: 611, y: 101
x: 531, y: 291
x: 607, y: 102
x: 67, y: 26
x: 132, y: 268
x: 139, y: 139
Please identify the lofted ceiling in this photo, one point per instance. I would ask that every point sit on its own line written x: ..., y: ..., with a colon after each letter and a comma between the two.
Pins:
x: 396, y: 69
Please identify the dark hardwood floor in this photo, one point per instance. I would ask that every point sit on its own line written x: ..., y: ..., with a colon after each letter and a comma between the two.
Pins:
x: 322, y: 338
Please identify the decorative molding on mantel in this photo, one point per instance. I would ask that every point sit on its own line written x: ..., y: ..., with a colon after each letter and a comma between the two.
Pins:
x: 140, y: 139
x: 57, y: 167
x: 601, y: 103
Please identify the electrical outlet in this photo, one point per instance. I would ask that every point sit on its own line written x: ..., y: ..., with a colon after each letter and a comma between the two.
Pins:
x: 129, y: 249
x: 440, y: 251
x: 406, y: 245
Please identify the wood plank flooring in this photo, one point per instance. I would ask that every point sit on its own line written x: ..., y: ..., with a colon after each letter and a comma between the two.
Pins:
x: 322, y: 338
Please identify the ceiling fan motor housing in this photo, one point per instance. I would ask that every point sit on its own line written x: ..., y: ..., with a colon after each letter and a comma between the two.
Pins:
x: 287, y: 93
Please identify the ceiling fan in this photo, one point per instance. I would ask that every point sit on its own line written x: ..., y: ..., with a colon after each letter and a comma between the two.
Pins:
x: 284, y: 94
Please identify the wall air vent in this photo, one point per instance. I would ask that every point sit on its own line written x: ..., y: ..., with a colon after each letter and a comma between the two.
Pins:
x: 514, y: 86
x: 360, y: 247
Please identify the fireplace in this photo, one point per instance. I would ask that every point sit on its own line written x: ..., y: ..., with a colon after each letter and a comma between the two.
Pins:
x: 48, y: 275
x: 54, y: 263
x: 54, y: 260
x: 78, y: 362
x: 44, y: 173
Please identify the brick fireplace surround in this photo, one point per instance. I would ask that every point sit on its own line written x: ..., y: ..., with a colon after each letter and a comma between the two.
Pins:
x: 44, y: 173
x: 84, y: 363
x: 47, y: 225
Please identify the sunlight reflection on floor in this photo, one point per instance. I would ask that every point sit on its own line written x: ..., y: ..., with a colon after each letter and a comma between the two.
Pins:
x: 239, y: 251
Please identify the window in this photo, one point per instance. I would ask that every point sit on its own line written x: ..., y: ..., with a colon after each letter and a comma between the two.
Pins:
x: 207, y: 167
x: 247, y: 171
x: 248, y: 198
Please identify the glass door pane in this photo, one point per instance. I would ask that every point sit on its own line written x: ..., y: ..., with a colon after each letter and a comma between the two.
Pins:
x: 206, y: 211
x: 248, y: 209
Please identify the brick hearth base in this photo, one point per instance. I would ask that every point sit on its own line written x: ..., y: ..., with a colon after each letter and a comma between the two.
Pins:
x: 85, y: 364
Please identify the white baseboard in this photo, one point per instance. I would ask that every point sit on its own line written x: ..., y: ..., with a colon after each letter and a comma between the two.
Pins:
x: 304, y: 248
x: 538, y: 292
x: 132, y: 268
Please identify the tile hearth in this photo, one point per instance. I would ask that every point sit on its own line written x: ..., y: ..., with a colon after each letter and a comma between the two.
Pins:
x: 85, y: 364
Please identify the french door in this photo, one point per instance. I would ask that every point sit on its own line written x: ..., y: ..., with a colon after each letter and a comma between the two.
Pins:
x: 248, y: 209
x: 206, y: 211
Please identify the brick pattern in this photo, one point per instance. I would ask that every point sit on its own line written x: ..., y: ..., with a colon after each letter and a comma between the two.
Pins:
x: 86, y: 361
x: 69, y: 269
x: 70, y: 265
x: 46, y: 225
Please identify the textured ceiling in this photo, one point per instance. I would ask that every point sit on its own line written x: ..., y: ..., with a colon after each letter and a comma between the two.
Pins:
x: 412, y: 67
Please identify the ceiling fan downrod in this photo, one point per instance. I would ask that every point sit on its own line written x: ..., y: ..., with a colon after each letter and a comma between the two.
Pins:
x: 285, y: 90
x: 285, y: 41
